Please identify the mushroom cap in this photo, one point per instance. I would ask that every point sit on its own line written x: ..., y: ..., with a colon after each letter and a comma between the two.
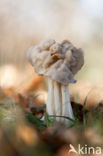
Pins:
x: 59, y: 62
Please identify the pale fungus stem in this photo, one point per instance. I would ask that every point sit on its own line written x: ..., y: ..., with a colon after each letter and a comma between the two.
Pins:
x: 50, y: 98
x: 66, y: 105
x: 58, y: 101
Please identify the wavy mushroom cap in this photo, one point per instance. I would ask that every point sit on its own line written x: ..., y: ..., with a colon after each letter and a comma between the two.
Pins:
x: 59, y: 62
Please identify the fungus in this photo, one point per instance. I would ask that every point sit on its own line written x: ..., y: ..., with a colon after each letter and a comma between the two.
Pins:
x: 59, y: 63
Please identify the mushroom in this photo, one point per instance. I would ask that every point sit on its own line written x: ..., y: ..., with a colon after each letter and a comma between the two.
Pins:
x: 59, y: 63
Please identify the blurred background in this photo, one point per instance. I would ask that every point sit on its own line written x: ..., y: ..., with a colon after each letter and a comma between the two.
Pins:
x: 27, y: 22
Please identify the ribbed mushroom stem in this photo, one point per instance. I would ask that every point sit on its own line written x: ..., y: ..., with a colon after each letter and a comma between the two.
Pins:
x: 50, y: 98
x: 66, y: 105
x: 58, y: 101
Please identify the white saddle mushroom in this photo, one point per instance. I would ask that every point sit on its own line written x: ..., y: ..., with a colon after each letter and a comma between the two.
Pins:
x: 58, y: 62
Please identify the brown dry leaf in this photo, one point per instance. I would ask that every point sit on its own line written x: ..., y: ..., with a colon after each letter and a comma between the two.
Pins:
x: 27, y: 134
x: 81, y: 89
x: 34, y: 84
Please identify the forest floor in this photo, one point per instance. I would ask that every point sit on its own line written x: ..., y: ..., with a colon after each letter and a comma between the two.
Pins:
x: 24, y: 133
